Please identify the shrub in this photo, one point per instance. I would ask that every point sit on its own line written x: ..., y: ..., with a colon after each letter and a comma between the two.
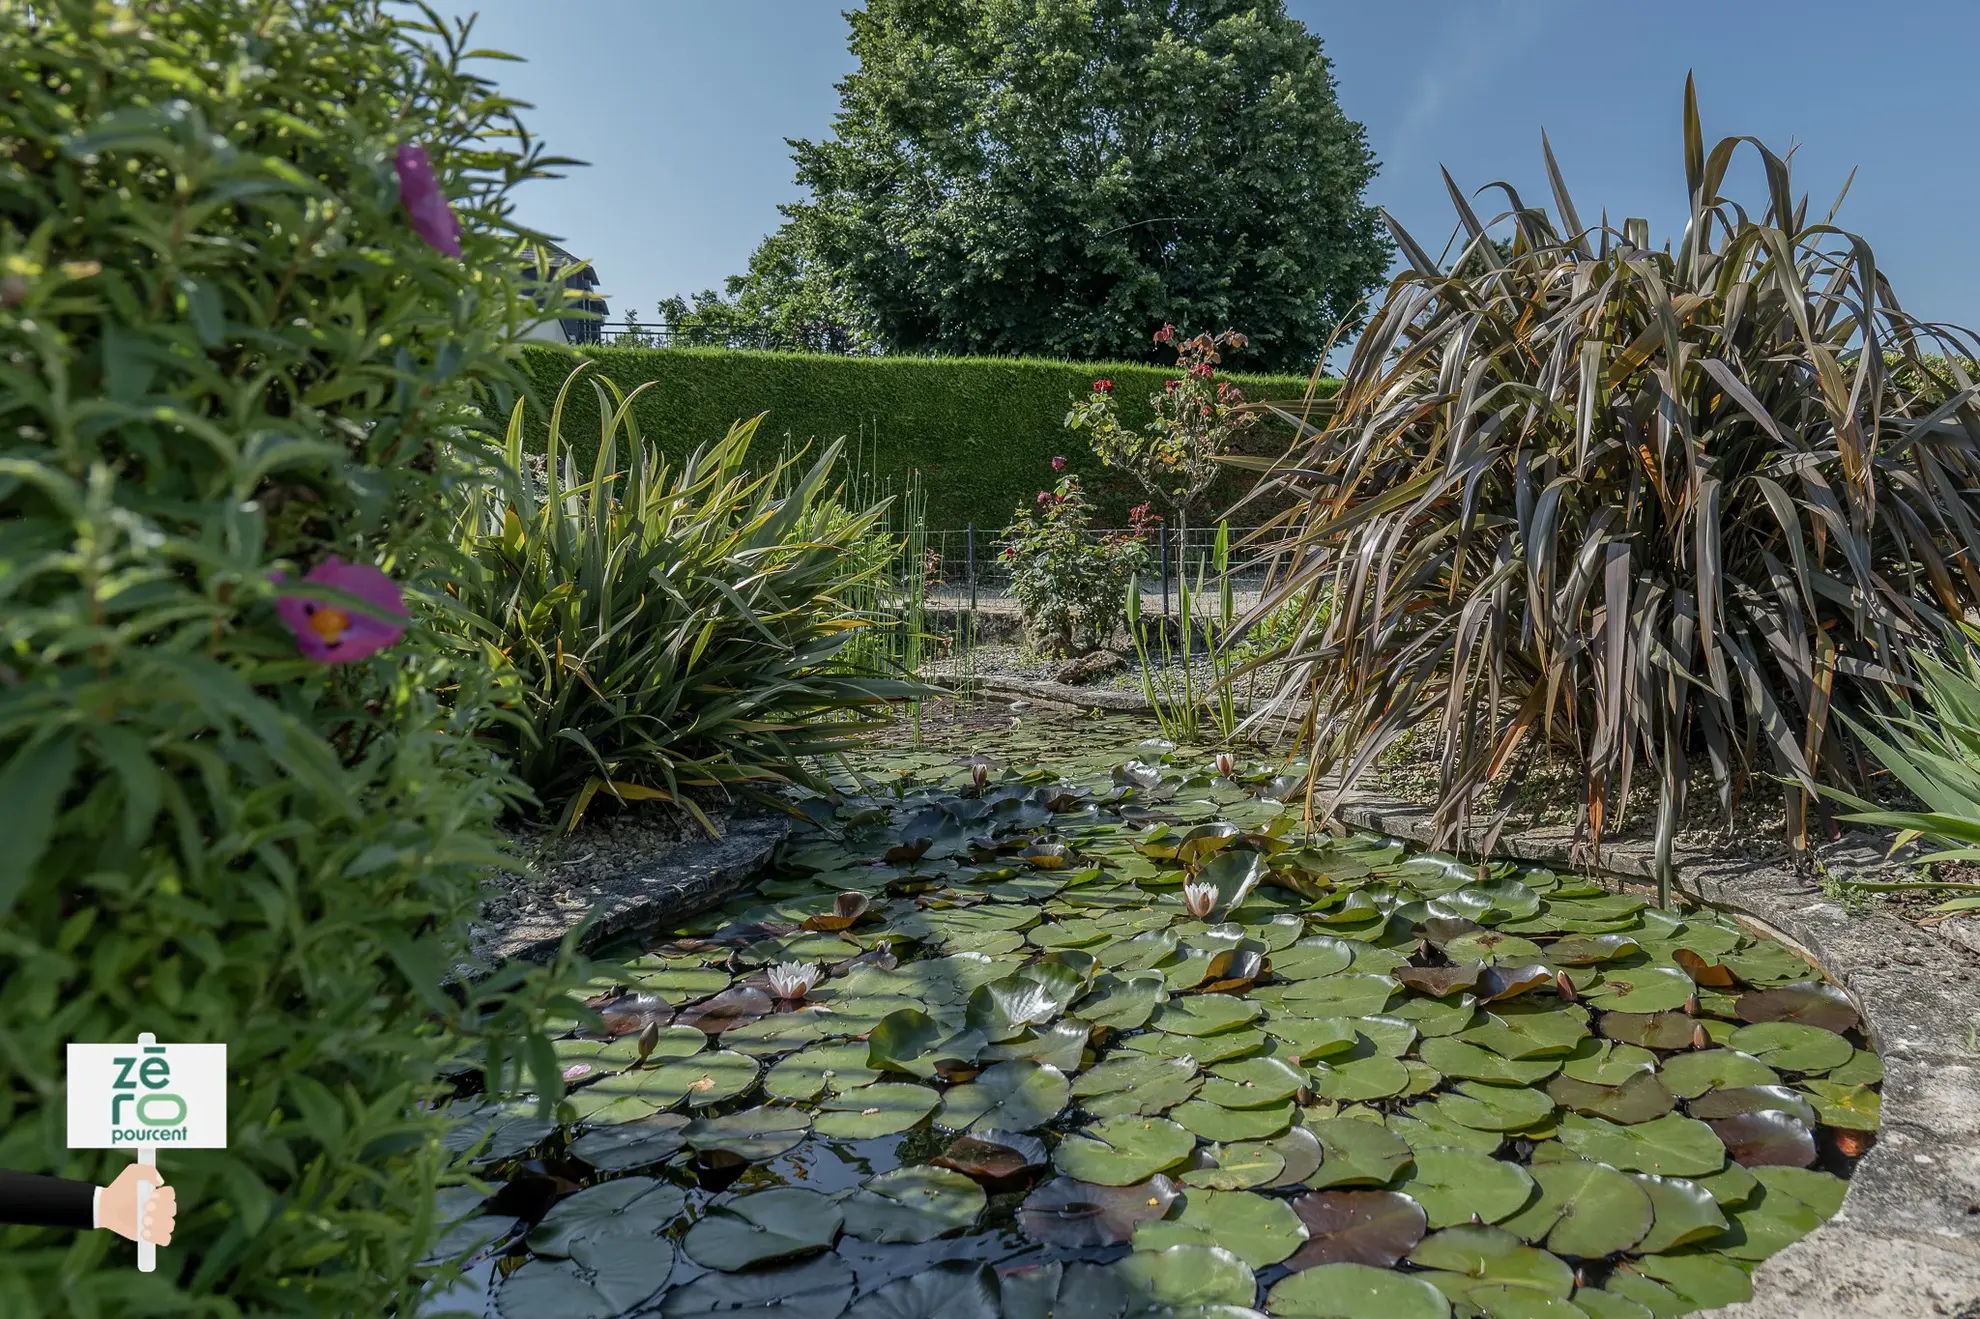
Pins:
x: 1071, y: 584
x: 660, y: 629
x: 975, y: 428
x: 226, y: 352
x: 1651, y: 504
x: 1195, y: 420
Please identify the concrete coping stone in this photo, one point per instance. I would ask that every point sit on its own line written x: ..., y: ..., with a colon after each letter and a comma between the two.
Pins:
x: 1907, y: 1240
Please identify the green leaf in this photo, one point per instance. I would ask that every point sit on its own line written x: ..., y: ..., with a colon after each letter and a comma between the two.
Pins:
x: 1355, y: 1291
x: 1214, y: 1122
x: 762, y: 1228
x: 1685, y: 1212
x: 1015, y: 1096
x: 1791, y: 1047
x: 1453, y: 1184
x: 1184, y: 1279
x: 754, y: 1134
x: 882, y: 1109
x: 1136, y: 1084
x: 1257, y: 1229
x: 1584, y: 1209
x: 1205, y: 1014
x: 1121, y: 1151
x: 1357, y: 1153
x: 912, y: 1205
x: 1670, y: 1146
x: 612, y: 1212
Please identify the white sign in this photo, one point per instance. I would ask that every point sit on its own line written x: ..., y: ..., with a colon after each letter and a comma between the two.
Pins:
x: 157, y: 1096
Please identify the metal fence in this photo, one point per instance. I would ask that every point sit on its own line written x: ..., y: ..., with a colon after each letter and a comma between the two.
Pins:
x: 966, y: 566
x: 631, y: 334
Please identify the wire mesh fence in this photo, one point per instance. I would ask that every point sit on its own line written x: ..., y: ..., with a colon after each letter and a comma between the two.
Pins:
x: 966, y: 565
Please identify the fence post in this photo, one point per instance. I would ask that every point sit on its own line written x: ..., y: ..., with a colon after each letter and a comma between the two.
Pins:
x: 1165, y: 569
x: 972, y: 565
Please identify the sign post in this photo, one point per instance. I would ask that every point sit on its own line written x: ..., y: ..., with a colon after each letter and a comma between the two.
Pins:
x: 141, y: 1096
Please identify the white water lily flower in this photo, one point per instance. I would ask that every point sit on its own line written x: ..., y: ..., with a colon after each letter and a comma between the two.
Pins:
x: 793, y: 980
x: 1199, y: 897
x: 1227, y: 764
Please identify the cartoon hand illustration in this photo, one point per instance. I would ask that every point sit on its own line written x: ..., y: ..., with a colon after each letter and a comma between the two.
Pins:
x: 117, y: 1209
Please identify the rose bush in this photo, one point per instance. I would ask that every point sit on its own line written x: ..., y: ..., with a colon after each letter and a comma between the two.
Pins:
x: 1070, y: 583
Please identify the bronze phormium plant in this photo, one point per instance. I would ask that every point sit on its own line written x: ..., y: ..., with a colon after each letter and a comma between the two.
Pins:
x: 1648, y: 505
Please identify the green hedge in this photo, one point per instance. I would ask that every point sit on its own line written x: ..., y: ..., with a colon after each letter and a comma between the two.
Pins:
x: 982, y: 431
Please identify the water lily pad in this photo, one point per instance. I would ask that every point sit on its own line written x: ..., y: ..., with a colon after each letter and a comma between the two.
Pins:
x: 1016, y: 1096
x: 1650, y: 1030
x: 507, y: 1129
x: 678, y: 984
x: 1346, y: 995
x: 1204, y: 1049
x: 1670, y: 1146
x: 601, y: 1286
x: 1584, y: 1209
x: 1032, y: 996
x: 706, y: 1078
x: 753, y: 1135
x: 1492, y: 946
x: 1215, y: 1122
x: 882, y: 1109
x: 1642, y: 1098
x: 1205, y: 1014
x: 1356, y: 1153
x: 1136, y: 1083
x: 1062, y: 1291
x: 1121, y: 1151
x: 730, y: 1008
x: 1062, y: 1044
x: 953, y: 1289
x: 1185, y: 1279
x: 1140, y: 953
x: 1423, y: 1128
x: 1252, y: 1083
x: 1300, y: 1151
x: 1792, y: 1047
x: 1358, y: 1080
x: 1863, y: 1068
x: 783, y: 1031
x: 912, y: 1205
x: 1851, y: 1107
x: 1704, y: 1281
x: 1766, y: 1137
x: 1436, y: 1018
x: 1452, y: 1185
x: 1530, y: 1030
x: 1376, y: 1228
x: 1821, y: 1191
x: 1494, y: 1257
x: 1730, y: 1185
x: 637, y: 1144
x: 1236, y: 1167
x: 1069, y: 1212
x: 1257, y: 1229
x: 1690, y: 1075
x: 1123, y: 1002
x: 1590, y: 949
x: 1313, y: 957
x: 762, y: 1228
x: 1642, y: 989
x: 1735, y: 1100
x: 1604, y: 1062
x: 1458, y: 1058
x: 1493, y: 1107
x: 815, y: 1289
x: 1355, y: 1291
x: 993, y: 1156
x: 1811, y: 1003
x: 810, y: 1072
x: 1684, y: 1212
x: 631, y: 1209
x: 1309, y: 1040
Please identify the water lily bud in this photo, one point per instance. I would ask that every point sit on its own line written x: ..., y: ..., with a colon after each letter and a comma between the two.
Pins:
x: 1699, y: 1039
x: 1226, y: 764
x: 1565, y: 985
x: 1691, y: 1006
x: 979, y: 774
x: 648, y: 1038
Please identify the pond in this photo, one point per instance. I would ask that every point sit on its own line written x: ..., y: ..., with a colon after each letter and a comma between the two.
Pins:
x: 1119, y: 1038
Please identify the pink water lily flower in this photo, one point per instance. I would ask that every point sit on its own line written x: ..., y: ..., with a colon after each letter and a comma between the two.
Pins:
x: 331, y: 635
x: 433, y: 219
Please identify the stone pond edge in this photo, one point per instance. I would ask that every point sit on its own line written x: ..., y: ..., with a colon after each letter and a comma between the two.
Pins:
x: 1907, y: 1241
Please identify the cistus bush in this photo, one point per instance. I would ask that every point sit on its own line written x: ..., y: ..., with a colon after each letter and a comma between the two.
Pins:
x: 659, y: 628
x: 233, y: 350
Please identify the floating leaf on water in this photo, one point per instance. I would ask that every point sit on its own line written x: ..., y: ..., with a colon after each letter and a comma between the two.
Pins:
x: 1491, y: 946
x: 1792, y: 1047
x: 1767, y: 1137
x: 953, y: 1289
x: 1308, y: 1040
x: 637, y: 1144
x: 1850, y: 1107
x: 1529, y: 1030
x: 993, y: 1156
x: 1356, y: 1153
x: 1236, y: 1167
x: 912, y: 1205
x: 762, y: 1228
x: 1185, y: 1279
x: 1642, y: 989
x: 1493, y: 1107
x: 1730, y: 1185
x: 1136, y: 1084
x: 1205, y: 1049
x: 1063, y: 1045
x: 810, y: 1072
x: 1348, y: 995
x: 1689, y: 1075
x: 1601, y: 1062
x: 1590, y: 949
x: 1468, y: 1061
x: 732, y: 1007
x: 509, y: 1129
x: 1121, y: 1151
x: 1123, y: 1002
x: 1499, y: 983
x: 1252, y: 1083
x: 1703, y: 971
x: 1355, y: 1291
x: 1670, y: 1146
x: 1439, y: 981
x: 1062, y: 1291
x: 753, y: 1135
x: 1033, y: 995
x: 1068, y: 1212
x: 631, y: 1207
x: 1214, y: 1122
x: 1642, y: 1098
x: 1312, y: 958
x: 1452, y: 1185
x: 1358, y: 1080
x: 816, y: 1289
x: 1494, y: 1256
x: 1811, y: 1003
x: 1208, y: 1014
x: 1733, y: 1101
x: 706, y: 1078
x: 608, y: 1284
x: 882, y: 1109
x: 1863, y: 1068
x: 1257, y: 1229
x: 1655, y: 1030
x: 1584, y: 1210
x: 1684, y: 1212
x: 904, y: 1041
x: 1705, y: 1282
x: 1299, y: 1152
x: 783, y: 1031
x: 1016, y: 1096
x: 1376, y: 1228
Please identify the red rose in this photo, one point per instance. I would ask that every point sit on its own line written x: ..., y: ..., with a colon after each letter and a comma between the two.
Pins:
x: 1103, y: 386
x: 1044, y: 497
x: 1059, y: 464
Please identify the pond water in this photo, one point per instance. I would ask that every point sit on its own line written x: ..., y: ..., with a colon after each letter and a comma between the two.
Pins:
x: 1118, y: 1038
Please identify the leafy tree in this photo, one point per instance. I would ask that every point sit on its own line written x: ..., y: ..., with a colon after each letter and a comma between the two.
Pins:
x: 787, y: 299
x: 1057, y: 176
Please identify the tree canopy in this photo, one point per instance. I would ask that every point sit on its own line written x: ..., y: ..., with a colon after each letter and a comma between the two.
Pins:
x: 1058, y: 177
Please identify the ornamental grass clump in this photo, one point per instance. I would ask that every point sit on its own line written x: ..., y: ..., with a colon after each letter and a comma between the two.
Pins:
x: 1651, y: 506
x: 244, y: 345
x: 658, y: 629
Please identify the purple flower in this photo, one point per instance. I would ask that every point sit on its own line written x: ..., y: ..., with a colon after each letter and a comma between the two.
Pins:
x: 432, y: 217
x: 337, y: 636
x: 1059, y: 464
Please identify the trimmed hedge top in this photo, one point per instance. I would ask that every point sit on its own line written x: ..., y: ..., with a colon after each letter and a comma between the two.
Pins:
x: 982, y: 431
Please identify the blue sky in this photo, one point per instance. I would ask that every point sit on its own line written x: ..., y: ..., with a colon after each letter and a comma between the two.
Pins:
x: 682, y: 108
